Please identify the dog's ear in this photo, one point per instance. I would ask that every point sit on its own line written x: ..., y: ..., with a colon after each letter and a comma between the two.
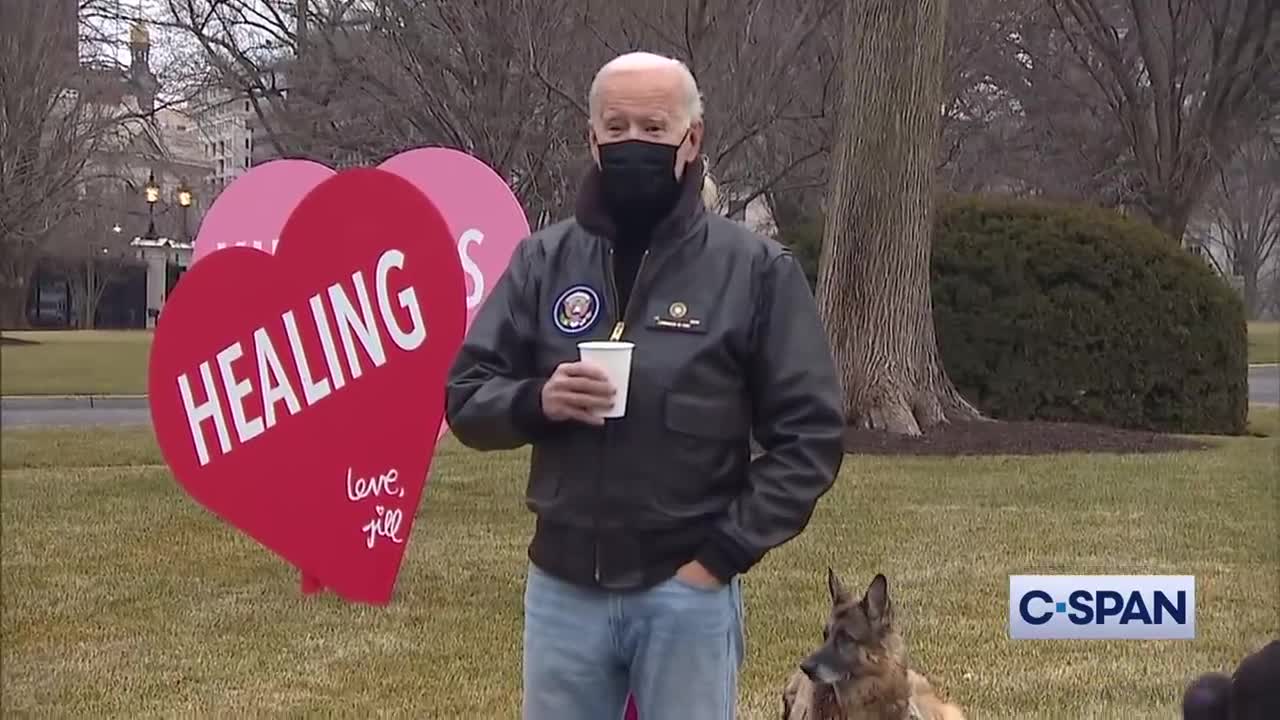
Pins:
x: 838, y: 594
x: 877, y: 600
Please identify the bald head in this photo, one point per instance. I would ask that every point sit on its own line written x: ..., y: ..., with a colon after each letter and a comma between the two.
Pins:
x: 647, y: 97
x: 650, y: 68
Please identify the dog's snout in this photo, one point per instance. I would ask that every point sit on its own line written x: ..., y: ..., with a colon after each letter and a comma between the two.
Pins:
x: 809, y: 667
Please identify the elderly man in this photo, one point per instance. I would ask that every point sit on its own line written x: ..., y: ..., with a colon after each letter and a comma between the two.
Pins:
x: 646, y: 523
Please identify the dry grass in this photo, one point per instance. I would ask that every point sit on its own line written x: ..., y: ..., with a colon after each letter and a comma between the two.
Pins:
x: 1264, y: 342
x: 122, y: 598
x: 86, y: 362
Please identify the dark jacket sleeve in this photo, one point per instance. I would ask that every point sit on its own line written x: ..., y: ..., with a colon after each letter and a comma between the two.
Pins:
x: 493, y: 397
x: 798, y: 420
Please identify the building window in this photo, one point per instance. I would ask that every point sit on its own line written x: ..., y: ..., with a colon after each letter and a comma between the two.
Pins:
x: 247, y: 107
x: 247, y: 146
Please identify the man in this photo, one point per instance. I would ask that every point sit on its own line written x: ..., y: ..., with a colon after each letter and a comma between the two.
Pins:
x: 646, y: 523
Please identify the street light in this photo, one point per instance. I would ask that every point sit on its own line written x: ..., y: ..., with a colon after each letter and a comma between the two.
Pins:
x: 184, y: 199
x: 153, y: 196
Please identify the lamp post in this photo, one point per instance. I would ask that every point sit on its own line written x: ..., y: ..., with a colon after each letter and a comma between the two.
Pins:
x: 184, y: 200
x: 153, y: 196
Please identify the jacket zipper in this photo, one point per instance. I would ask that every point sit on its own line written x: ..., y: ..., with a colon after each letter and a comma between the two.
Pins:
x: 619, y: 327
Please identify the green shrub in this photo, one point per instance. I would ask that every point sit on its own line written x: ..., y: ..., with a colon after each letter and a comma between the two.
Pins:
x: 805, y: 242
x: 1068, y: 313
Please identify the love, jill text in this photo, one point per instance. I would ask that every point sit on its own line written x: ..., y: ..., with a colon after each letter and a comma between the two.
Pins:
x: 384, y: 489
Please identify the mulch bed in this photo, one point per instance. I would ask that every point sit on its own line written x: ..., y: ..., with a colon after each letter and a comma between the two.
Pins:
x: 1017, y: 438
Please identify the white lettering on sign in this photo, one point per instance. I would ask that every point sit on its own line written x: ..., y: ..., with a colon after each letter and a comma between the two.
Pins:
x: 385, y: 484
x: 362, y: 325
x: 386, y: 525
x: 388, y: 520
x: 246, y: 428
x: 312, y: 390
x: 470, y: 268
x: 255, y: 244
x: 210, y: 409
x: 271, y: 381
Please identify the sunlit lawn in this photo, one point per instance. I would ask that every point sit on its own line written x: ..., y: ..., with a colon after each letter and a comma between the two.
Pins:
x: 70, y: 362
x: 122, y: 598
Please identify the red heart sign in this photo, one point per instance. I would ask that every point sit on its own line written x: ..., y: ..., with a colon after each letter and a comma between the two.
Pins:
x: 298, y: 395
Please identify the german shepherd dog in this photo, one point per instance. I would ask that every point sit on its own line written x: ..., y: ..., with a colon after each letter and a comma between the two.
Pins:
x: 860, y: 672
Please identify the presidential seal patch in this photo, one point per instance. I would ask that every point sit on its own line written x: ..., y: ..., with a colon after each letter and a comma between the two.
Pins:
x: 576, y: 310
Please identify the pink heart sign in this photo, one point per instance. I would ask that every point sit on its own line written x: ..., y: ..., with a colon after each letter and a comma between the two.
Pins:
x: 303, y: 412
x: 485, y: 219
x: 252, y: 210
x: 484, y: 216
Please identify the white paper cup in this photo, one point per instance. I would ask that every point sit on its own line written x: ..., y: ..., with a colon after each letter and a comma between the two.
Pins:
x: 615, y: 359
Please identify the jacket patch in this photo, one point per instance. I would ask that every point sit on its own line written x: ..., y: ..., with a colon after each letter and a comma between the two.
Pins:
x: 677, y: 318
x: 576, y: 310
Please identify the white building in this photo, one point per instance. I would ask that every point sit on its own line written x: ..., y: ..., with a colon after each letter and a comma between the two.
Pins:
x: 226, y: 122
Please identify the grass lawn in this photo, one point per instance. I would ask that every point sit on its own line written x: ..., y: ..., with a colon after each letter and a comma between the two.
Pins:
x: 106, y: 362
x: 1264, y: 342
x: 71, y: 362
x: 122, y: 597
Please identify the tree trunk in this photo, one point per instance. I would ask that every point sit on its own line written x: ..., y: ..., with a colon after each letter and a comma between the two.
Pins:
x: 14, y: 289
x: 1173, y: 217
x: 89, y: 284
x: 874, y: 278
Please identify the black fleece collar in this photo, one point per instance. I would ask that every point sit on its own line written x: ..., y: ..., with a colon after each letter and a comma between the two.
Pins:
x: 687, y: 215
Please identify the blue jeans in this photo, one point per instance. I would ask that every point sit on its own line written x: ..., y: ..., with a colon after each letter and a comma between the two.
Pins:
x: 677, y: 647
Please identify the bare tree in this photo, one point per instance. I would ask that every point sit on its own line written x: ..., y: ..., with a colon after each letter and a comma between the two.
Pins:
x: 1239, y: 226
x: 874, y: 286
x: 52, y: 120
x: 985, y: 145
x: 507, y: 81
x: 1186, y: 80
x: 375, y: 78
x: 92, y: 246
x: 67, y: 119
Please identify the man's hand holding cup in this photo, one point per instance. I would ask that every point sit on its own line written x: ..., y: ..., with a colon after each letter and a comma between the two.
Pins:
x: 592, y: 389
x: 577, y: 391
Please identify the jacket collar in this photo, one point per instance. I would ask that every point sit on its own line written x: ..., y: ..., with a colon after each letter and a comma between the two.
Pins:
x: 688, y: 214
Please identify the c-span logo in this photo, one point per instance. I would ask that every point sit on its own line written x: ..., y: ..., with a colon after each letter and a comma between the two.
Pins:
x: 1102, y: 607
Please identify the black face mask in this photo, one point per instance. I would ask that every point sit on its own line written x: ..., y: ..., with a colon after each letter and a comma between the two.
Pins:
x: 638, y: 181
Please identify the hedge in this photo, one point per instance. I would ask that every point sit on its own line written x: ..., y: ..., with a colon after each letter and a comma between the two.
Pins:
x: 1054, y: 312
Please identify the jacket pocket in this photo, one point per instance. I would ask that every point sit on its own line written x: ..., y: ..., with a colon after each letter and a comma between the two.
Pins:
x: 707, y: 438
x: 545, y: 477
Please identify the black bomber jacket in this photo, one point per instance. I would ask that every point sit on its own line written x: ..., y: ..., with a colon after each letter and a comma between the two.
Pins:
x: 728, y: 345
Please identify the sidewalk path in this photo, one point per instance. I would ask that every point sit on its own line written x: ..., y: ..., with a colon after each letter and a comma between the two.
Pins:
x: 1264, y: 384
x: 48, y: 411
x: 73, y: 410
